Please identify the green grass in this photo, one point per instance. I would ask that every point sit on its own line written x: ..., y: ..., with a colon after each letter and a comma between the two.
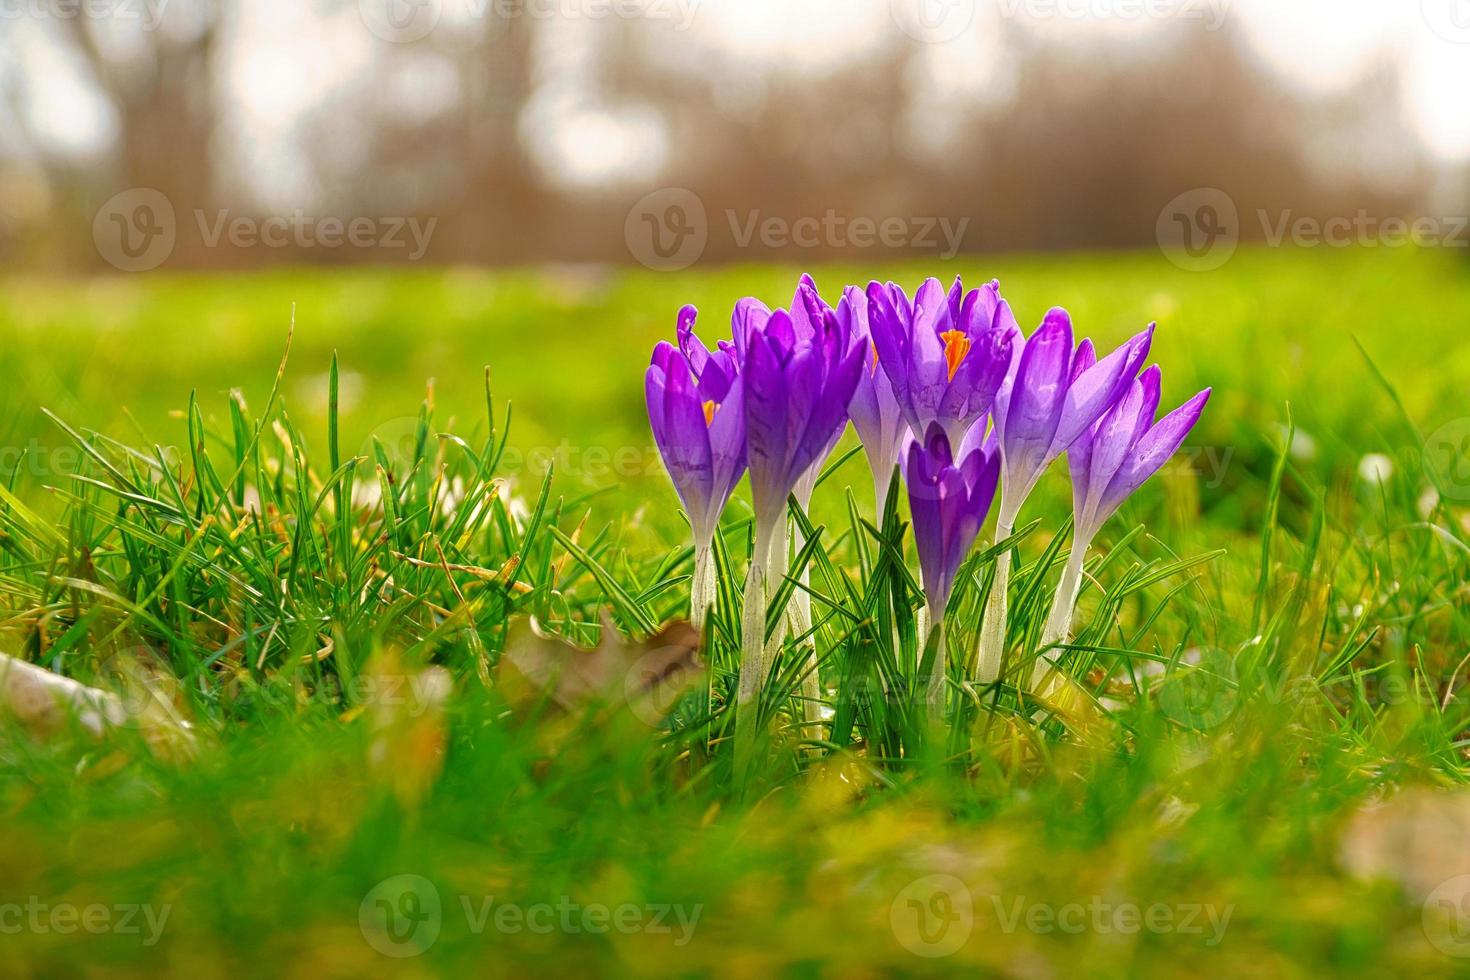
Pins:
x: 1273, y: 642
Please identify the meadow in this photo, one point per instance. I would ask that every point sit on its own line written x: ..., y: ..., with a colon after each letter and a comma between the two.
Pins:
x: 306, y: 550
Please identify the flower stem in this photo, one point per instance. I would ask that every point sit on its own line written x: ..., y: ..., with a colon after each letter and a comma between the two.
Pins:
x: 1059, y: 623
x: 702, y: 591
x: 993, y: 626
x: 882, y: 480
x: 753, y: 649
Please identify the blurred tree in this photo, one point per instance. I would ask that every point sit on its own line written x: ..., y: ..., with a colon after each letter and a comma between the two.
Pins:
x: 160, y: 80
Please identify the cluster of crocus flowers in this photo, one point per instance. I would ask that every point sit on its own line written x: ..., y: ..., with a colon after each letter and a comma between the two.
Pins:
x: 944, y: 387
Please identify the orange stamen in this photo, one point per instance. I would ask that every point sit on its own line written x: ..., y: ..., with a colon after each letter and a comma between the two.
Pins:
x: 710, y: 408
x: 956, y: 346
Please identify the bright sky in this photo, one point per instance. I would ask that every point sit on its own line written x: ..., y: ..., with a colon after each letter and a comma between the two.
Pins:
x: 285, y: 55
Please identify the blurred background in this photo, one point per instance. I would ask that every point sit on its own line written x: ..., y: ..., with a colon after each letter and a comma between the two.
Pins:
x: 201, y: 134
x: 425, y: 187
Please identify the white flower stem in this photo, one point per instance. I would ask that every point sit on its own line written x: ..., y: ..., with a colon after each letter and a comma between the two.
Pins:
x: 882, y: 480
x: 753, y: 648
x: 1059, y: 622
x: 993, y: 626
x: 702, y: 591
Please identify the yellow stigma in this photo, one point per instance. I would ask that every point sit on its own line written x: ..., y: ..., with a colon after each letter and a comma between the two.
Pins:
x: 956, y: 346
x: 710, y: 408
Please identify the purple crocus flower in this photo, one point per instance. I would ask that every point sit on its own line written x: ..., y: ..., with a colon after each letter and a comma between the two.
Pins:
x: 810, y: 315
x: 948, y: 502
x: 798, y: 377
x: 1109, y: 461
x: 696, y: 409
x: 1051, y: 396
x: 945, y: 354
x: 876, y: 413
x: 798, y: 371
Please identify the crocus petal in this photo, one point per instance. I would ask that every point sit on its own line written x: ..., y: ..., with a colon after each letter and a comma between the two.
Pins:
x: 689, y: 344
x: 948, y: 504
x: 972, y: 390
x: 890, y: 338
x: 1037, y: 396
x: 1153, y: 449
x: 928, y: 370
x: 1114, y: 436
x: 750, y: 315
x: 947, y: 355
x: 828, y: 416
x: 688, y: 435
x: 766, y: 420
x: 727, y: 447
x: 1094, y: 390
x: 924, y: 510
